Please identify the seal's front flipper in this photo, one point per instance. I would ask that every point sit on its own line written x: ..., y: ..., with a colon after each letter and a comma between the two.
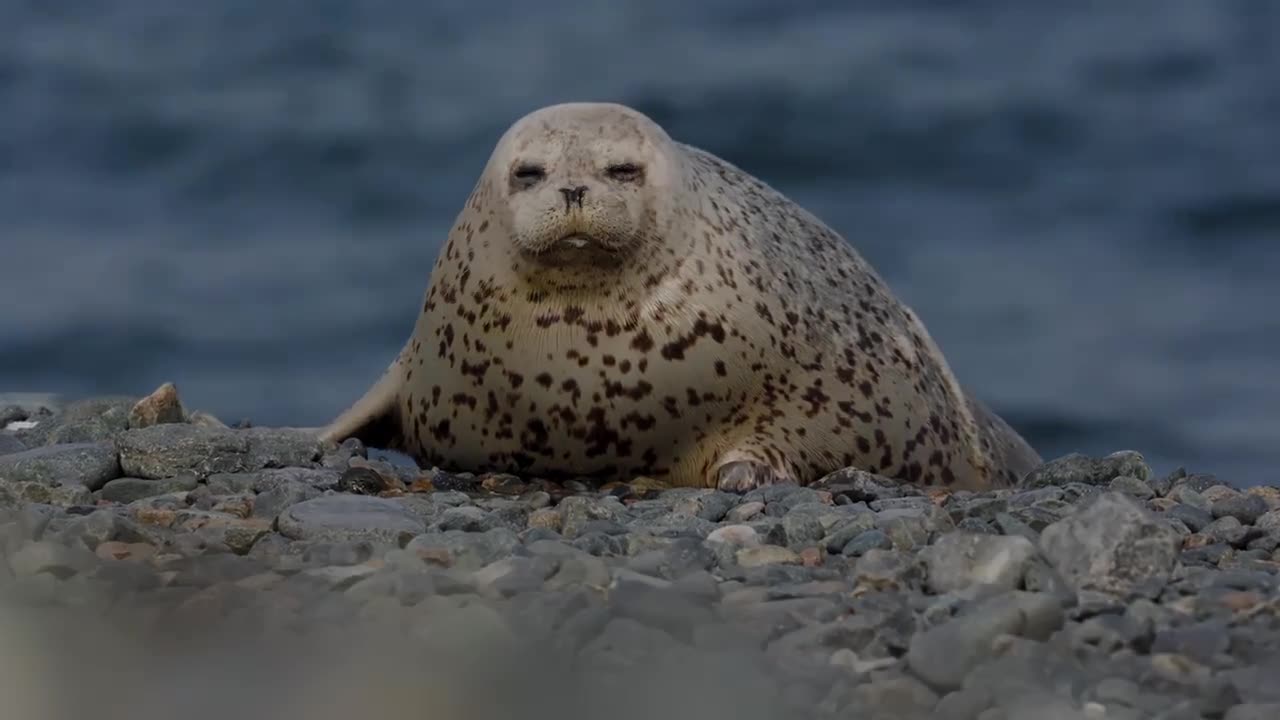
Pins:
x: 375, y: 418
x: 740, y: 471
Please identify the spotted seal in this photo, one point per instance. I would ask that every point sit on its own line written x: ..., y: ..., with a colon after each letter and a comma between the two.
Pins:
x: 613, y: 303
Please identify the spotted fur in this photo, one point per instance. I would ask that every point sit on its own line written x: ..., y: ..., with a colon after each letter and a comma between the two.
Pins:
x: 707, y: 331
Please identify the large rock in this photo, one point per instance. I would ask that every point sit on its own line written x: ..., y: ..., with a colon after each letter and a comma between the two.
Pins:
x: 9, y: 443
x: 89, y: 464
x: 170, y: 449
x: 1112, y: 543
x: 1077, y: 468
x: 161, y: 406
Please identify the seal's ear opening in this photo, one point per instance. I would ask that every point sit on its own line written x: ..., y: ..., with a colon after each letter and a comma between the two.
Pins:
x: 374, y: 419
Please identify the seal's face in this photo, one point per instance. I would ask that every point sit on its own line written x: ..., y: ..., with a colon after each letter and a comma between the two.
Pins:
x: 583, y: 185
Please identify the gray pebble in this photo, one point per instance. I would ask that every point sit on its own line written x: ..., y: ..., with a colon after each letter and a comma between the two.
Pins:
x: 98, y: 527
x: 908, y: 532
x: 464, y: 550
x: 943, y: 655
x: 57, y: 559
x: 601, y: 545
x: 1193, y: 517
x: 963, y: 704
x: 975, y: 525
x: 958, y: 559
x: 1202, y: 642
x: 802, y: 529
x: 709, y: 505
x: 848, y: 529
x: 281, y: 496
x: 780, y: 499
x: 885, y: 568
x: 576, y: 511
x: 510, y: 576
x: 1009, y: 524
x: 1227, y: 530
x: 865, y: 542
x: 897, y: 696
x: 1253, y: 711
x: 1133, y: 487
x: 467, y: 518
x: 349, y: 517
x: 1187, y: 495
x: 1269, y: 521
x: 982, y: 509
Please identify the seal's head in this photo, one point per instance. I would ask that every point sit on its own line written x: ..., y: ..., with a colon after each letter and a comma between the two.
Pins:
x: 584, y: 188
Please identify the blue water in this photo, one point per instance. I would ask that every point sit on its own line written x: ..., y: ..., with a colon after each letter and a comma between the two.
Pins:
x: 1082, y: 200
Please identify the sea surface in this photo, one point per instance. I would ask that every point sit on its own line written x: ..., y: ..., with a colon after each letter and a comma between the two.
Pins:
x: 1082, y: 200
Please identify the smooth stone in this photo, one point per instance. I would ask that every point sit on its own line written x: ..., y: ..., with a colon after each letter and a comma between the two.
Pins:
x: 87, y: 464
x: 467, y: 518
x: 1253, y: 711
x: 959, y: 559
x: 1133, y: 487
x: 350, y: 517
x: 1226, y: 530
x: 57, y: 559
x: 883, y: 568
x: 1196, y: 519
x: 874, y: 539
x: 762, y: 555
x: 281, y: 495
x: 944, y: 655
x: 744, y: 512
x: 463, y: 550
x: 735, y: 535
x: 98, y: 527
x: 845, y: 531
x: 126, y: 490
x: 1269, y: 521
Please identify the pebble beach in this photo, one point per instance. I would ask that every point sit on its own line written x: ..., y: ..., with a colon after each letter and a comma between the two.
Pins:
x: 156, y: 562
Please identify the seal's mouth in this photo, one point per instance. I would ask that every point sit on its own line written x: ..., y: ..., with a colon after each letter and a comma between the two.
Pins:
x: 577, y: 240
x: 574, y: 249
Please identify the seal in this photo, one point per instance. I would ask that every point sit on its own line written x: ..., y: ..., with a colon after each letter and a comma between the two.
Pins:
x: 612, y: 303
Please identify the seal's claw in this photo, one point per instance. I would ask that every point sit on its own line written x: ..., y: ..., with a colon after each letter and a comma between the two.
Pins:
x: 740, y: 476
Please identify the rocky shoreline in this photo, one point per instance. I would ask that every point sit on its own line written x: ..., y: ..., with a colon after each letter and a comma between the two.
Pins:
x: 160, y: 562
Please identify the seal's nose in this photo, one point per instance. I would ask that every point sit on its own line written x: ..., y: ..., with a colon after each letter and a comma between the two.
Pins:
x: 573, y: 196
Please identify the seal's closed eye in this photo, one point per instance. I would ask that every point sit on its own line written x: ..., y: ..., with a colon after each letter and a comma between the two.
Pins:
x: 626, y: 172
x: 528, y: 174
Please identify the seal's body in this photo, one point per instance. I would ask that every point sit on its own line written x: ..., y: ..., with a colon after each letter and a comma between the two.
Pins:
x: 612, y: 303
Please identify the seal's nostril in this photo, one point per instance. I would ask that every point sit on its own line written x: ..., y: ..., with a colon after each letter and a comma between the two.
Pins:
x: 573, y: 195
